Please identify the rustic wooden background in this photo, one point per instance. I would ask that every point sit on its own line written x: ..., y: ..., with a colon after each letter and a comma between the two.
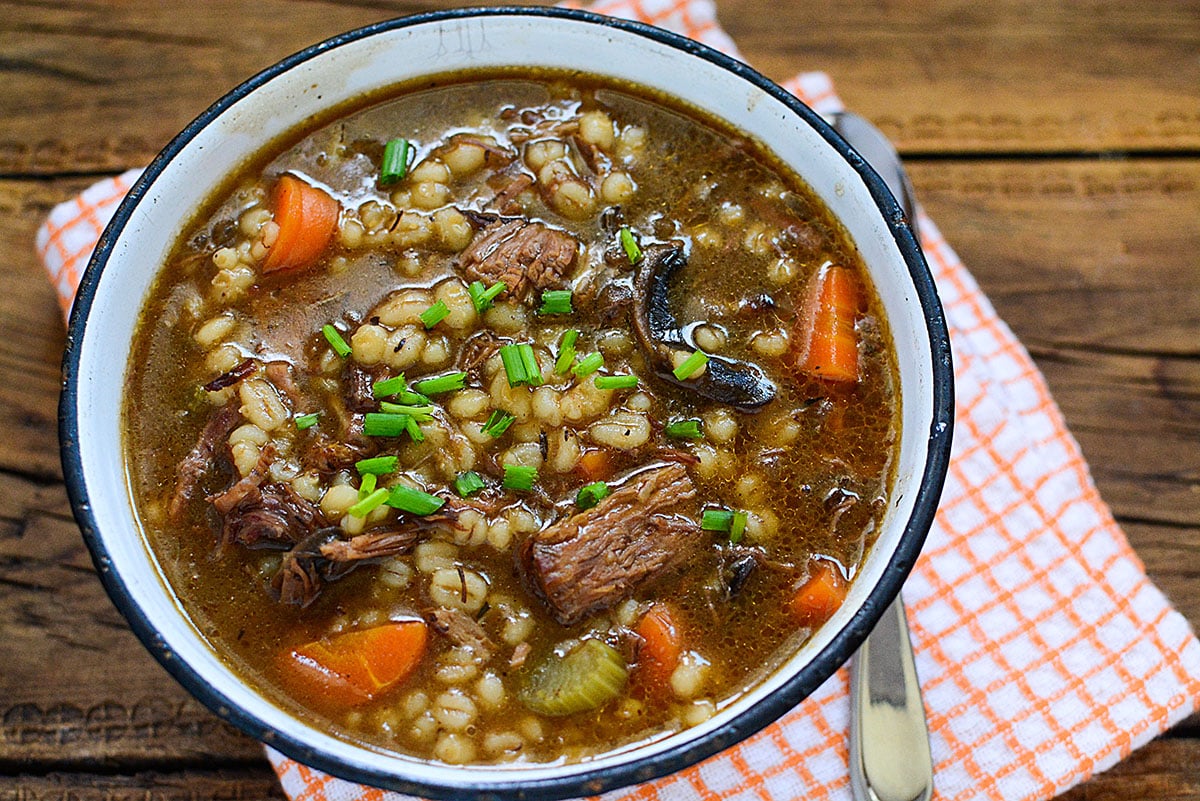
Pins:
x: 1057, y: 145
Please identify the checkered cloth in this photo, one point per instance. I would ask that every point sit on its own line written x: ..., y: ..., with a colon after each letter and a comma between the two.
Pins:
x: 1045, y: 653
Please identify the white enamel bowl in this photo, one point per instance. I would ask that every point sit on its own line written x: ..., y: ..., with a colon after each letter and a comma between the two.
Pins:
x: 280, y: 99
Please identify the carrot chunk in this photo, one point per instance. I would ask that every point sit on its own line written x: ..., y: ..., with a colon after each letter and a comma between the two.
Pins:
x: 819, y: 597
x: 352, y: 668
x: 828, y: 342
x: 662, y: 645
x: 595, y: 465
x: 307, y: 217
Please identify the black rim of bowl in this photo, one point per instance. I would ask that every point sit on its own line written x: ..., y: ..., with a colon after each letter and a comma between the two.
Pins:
x: 587, y: 782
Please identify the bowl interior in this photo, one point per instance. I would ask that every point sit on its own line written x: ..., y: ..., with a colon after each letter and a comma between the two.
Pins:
x: 279, y: 100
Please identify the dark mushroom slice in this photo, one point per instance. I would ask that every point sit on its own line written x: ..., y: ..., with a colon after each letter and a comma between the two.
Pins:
x: 736, y: 383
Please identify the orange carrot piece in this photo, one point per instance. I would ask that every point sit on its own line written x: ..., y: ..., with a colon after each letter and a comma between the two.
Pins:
x: 307, y: 218
x: 352, y: 668
x: 829, y: 344
x: 819, y: 597
x: 662, y: 645
x: 595, y: 465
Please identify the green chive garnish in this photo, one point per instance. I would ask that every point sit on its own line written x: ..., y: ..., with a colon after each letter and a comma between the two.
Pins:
x: 367, y: 485
x: 335, y: 341
x: 497, y: 424
x: 414, y: 430
x: 421, y: 413
x: 556, y: 301
x: 683, y: 429
x: 443, y: 383
x: 468, y: 483
x: 395, y: 161
x: 435, y: 314
x: 566, y: 352
x: 514, y: 366
x: 630, y: 244
x: 716, y: 520
x: 517, y: 477
x: 483, y: 296
x: 412, y: 398
x: 737, y: 526
x: 382, y: 424
x: 306, y: 421
x: 368, y: 504
x: 414, y: 501
x: 691, y: 365
x: 533, y: 372
x: 379, y: 465
x: 590, y: 495
x: 589, y: 364
x: 616, y: 381
x: 388, y: 387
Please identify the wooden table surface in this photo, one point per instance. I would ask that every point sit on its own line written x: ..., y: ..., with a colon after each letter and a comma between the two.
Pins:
x: 1057, y: 145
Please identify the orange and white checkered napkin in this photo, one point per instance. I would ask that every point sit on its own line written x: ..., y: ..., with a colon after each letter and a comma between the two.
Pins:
x: 1045, y: 653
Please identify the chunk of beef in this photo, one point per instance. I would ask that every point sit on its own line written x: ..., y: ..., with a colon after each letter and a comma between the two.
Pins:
x: 357, y: 389
x: 595, y: 559
x: 327, y: 455
x: 201, y: 459
x: 303, y: 571
x: 272, y: 516
x: 461, y: 629
x: 279, y: 373
x: 525, y: 255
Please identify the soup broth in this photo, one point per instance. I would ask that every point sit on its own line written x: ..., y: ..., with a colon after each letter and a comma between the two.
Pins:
x: 511, y: 417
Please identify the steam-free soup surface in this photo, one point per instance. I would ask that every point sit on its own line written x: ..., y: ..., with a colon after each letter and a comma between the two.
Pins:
x: 544, y: 430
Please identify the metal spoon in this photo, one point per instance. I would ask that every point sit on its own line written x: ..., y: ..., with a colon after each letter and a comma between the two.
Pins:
x: 889, y: 737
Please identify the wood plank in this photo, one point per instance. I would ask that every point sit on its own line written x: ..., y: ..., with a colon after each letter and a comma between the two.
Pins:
x: 225, y: 784
x: 84, y: 77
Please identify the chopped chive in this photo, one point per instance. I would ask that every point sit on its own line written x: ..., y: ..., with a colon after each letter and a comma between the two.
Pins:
x: 518, y: 477
x: 414, y: 501
x: 556, y: 301
x: 443, y: 383
x: 683, y: 429
x: 335, y: 341
x: 691, y: 365
x: 382, y: 424
x: 533, y: 372
x: 412, y: 398
x: 630, y: 244
x: 468, y: 483
x: 379, y: 465
x: 483, y: 296
x: 616, y: 381
x: 590, y: 495
x: 589, y: 364
x: 497, y: 424
x: 389, y: 387
x: 368, y: 504
x: 395, y: 161
x: 514, y: 366
x: 716, y: 520
x: 435, y: 314
x: 367, y: 485
x: 566, y: 352
x: 421, y: 413
x: 737, y: 526
x: 414, y: 430
x: 306, y: 421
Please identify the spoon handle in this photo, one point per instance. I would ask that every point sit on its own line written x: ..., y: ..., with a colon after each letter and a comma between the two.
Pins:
x: 889, y: 738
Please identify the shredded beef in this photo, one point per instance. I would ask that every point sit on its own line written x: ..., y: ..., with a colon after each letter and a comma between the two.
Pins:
x: 505, y: 200
x: 525, y: 255
x: 374, y: 544
x: 202, y: 457
x: 595, y: 559
x: 461, y: 629
x: 280, y: 374
x: 272, y: 516
x: 243, y: 487
x: 303, y: 571
x: 357, y: 388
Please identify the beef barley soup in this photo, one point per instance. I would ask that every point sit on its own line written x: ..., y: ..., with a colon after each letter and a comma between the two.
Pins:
x: 511, y: 418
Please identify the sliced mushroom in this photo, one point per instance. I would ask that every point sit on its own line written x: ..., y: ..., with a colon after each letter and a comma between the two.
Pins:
x: 740, y: 384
